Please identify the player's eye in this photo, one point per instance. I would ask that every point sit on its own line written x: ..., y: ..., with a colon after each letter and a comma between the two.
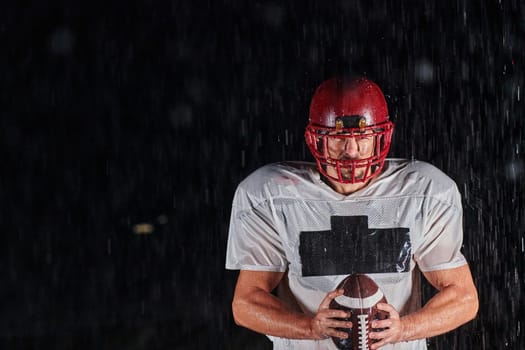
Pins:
x: 364, y: 139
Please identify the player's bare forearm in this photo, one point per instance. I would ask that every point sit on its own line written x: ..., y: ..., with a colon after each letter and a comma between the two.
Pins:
x: 455, y: 304
x: 448, y: 310
x: 262, y: 312
x: 256, y: 308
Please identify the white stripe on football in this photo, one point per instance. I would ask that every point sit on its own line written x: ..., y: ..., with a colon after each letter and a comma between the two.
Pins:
x: 360, y: 303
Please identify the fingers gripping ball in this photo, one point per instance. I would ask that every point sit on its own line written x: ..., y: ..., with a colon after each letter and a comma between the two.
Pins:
x: 361, y: 296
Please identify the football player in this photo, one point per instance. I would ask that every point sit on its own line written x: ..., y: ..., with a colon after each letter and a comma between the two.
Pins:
x: 306, y: 226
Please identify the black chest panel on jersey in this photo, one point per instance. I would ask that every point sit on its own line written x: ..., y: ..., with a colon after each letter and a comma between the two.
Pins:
x: 351, y: 247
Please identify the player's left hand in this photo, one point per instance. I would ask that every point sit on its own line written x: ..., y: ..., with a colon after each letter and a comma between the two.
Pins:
x: 392, y: 327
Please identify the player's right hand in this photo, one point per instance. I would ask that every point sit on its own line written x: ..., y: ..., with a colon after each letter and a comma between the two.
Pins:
x: 326, y: 321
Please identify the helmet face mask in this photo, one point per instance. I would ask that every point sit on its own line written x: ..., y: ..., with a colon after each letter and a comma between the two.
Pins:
x: 349, y: 133
x: 328, y: 149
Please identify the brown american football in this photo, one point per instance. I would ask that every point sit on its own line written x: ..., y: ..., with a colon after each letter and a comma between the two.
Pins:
x: 361, y: 296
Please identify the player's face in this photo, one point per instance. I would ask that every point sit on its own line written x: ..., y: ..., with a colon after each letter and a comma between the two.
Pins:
x: 343, y: 147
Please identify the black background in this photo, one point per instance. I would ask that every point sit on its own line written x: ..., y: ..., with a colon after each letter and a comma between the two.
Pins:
x: 116, y: 114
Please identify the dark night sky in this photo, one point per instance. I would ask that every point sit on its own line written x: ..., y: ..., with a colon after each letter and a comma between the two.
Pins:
x: 120, y: 114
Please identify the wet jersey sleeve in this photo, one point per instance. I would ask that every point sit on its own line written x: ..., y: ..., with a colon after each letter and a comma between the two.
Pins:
x: 443, y: 234
x: 253, y: 241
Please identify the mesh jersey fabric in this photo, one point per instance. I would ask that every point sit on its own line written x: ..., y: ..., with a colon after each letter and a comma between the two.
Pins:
x: 286, y: 218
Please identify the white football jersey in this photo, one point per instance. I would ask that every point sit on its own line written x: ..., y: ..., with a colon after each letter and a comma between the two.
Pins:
x: 406, y: 220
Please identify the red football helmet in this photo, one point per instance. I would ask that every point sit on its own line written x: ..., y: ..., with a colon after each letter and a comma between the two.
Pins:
x: 348, y: 131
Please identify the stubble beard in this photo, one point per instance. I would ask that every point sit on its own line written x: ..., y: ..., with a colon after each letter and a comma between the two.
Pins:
x: 346, y: 173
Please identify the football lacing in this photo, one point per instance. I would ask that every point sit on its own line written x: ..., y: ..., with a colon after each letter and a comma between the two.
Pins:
x: 363, y: 332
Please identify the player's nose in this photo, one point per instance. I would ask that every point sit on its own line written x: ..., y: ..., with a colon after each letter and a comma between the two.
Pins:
x: 351, y: 149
